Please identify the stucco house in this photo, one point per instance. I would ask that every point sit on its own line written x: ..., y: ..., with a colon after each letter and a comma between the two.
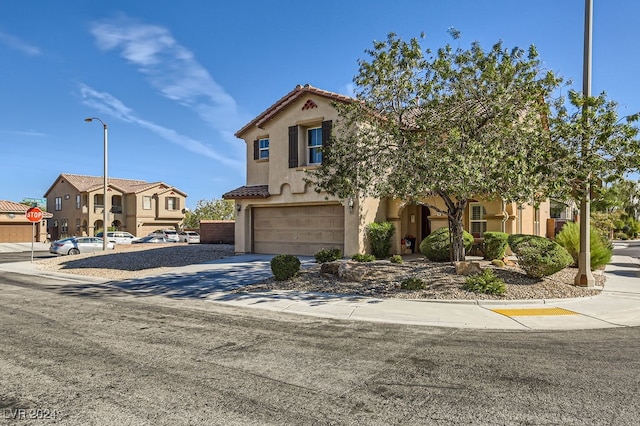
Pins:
x: 278, y: 212
x: 16, y: 228
x: 135, y: 206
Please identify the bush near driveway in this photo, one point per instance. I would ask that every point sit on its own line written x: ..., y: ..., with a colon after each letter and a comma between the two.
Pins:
x: 538, y: 256
x: 285, y: 266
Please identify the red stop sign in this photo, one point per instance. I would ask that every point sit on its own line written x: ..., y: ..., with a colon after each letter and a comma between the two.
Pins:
x: 34, y: 214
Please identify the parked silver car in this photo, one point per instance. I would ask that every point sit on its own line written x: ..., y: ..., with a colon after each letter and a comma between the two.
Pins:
x: 118, y: 237
x: 169, y: 234
x: 76, y: 245
x: 150, y: 239
x: 190, y: 237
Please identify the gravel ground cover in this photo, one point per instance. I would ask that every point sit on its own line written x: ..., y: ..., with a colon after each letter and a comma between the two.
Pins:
x: 381, y: 278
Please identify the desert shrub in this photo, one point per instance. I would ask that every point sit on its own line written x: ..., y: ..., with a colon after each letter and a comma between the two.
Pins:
x: 485, y: 282
x: 359, y: 257
x: 396, y: 258
x: 600, y: 247
x: 620, y: 236
x: 328, y: 255
x: 514, y: 240
x: 379, y: 234
x: 285, y: 266
x: 413, y: 284
x: 436, y: 246
x: 495, y: 245
x: 540, y: 257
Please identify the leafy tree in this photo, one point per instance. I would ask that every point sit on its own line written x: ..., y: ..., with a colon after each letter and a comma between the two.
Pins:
x: 209, y: 210
x: 453, y: 124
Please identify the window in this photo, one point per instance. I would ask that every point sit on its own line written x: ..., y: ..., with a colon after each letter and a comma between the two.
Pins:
x: 58, y: 202
x: 173, y: 203
x: 78, y: 201
x: 314, y: 145
x: 146, y: 202
x: 64, y: 226
x: 261, y: 149
x: 77, y: 225
x: 477, y: 220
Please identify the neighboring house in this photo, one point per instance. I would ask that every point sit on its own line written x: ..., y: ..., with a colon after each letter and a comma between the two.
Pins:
x: 278, y: 212
x: 16, y: 228
x: 135, y: 206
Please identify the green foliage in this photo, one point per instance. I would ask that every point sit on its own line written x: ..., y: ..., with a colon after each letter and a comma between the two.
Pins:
x: 396, y: 258
x: 209, y: 210
x: 436, y: 246
x: 540, y: 257
x: 285, y: 266
x: 495, y: 245
x: 514, y: 240
x: 379, y: 234
x: 359, y: 257
x: 620, y: 236
x: 485, y: 282
x: 600, y: 247
x: 413, y: 284
x: 328, y: 255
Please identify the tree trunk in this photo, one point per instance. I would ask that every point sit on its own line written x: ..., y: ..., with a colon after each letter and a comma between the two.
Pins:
x: 456, y: 231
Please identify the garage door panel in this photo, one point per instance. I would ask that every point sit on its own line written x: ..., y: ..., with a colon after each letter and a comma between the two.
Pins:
x: 298, y: 230
x: 15, y: 233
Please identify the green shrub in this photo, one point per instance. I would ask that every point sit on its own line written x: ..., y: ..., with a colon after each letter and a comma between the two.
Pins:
x: 514, y: 240
x: 396, y: 258
x: 328, y: 255
x: 285, y: 266
x: 600, y: 247
x: 485, y: 282
x: 540, y: 257
x: 620, y: 236
x: 379, y: 234
x: 358, y: 257
x: 413, y: 284
x: 436, y: 246
x: 495, y: 245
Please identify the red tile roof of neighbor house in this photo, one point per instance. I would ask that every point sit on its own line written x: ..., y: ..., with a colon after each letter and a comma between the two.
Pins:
x: 253, y: 191
x: 11, y: 207
x: 128, y: 186
x: 286, y: 100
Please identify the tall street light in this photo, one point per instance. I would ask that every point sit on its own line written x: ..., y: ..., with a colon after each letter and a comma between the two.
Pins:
x: 585, y: 277
x: 105, y: 213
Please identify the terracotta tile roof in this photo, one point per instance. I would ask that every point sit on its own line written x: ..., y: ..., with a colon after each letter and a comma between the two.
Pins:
x: 128, y: 186
x: 253, y: 191
x: 11, y: 207
x: 286, y: 100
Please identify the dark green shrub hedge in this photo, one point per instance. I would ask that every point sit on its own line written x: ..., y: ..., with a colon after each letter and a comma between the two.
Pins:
x: 396, y: 258
x: 328, y: 255
x: 600, y: 247
x: 359, y: 257
x: 485, y: 282
x: 379, y: 234
x: 285, y: 266
x: 540, y: 257
x: 515, y: 239
x: 436, y: 246
x: 495, y: 245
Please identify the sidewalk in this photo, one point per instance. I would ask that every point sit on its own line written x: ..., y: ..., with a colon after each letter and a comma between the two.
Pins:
x: 617, y: 306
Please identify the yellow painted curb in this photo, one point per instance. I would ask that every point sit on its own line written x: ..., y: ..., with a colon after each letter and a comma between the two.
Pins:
x: 531, y: 312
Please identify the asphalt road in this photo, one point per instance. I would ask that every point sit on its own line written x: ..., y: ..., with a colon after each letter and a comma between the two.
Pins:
x: 95, y: 358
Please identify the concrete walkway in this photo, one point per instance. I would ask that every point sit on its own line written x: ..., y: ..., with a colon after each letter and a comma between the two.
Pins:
x: 617, y: 306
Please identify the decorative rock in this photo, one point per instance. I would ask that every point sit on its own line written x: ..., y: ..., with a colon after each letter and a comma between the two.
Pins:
x: 350, y: 272
x: 467, y: 268
x: 330, y: 268
x: 508, y: 261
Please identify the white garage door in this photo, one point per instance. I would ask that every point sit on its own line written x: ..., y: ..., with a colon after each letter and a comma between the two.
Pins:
x: 297, y: 230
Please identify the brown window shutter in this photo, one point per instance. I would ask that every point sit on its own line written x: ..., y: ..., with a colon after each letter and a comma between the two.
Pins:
x: 293, y: 146
x: 326, y: 133
x: 256, y: 149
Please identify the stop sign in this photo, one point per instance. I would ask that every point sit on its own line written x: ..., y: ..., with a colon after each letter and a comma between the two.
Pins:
x: 34, y: 214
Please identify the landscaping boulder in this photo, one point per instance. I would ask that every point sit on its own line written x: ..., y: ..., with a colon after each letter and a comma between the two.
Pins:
x: 348, y: 271
x: 330, y: 268
x: 468, y: 268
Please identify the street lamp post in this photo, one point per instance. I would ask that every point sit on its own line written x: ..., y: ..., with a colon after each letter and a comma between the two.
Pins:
x: 105, y: 215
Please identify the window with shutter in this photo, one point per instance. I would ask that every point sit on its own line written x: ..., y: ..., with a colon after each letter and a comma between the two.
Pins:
x: 478, y: 223
x: 256, y: 150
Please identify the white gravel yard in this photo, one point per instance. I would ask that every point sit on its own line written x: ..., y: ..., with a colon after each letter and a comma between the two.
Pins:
x: 136, y: 260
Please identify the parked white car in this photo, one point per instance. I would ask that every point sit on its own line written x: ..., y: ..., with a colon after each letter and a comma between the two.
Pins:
x: 118, y: 237
x: 170, y: 235
x: 77, y: 245
x: 190, y: 237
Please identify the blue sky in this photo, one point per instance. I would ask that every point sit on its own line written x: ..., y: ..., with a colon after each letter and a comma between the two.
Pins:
x: 175, y: 80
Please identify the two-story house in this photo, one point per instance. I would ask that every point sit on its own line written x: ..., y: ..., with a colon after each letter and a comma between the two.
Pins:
x: 278, y: 212
x: 135, y: 206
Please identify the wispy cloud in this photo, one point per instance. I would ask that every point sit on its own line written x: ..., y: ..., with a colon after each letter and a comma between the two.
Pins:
x: 110, y: 105
x: 23, y: 133
x: 20, y: 45
x: 172, y: 70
